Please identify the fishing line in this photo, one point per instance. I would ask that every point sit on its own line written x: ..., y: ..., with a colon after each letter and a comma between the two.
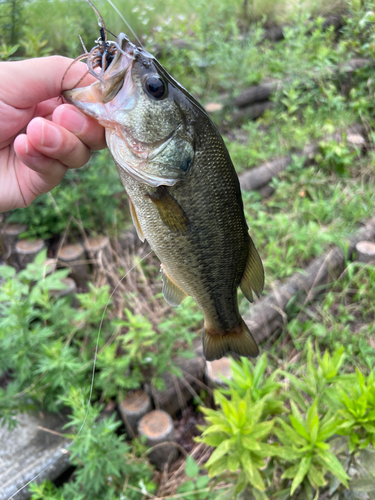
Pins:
x: 92, y: 380
x: 125, y: 21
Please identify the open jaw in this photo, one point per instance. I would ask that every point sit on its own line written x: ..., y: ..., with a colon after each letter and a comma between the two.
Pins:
x: 113, y: 89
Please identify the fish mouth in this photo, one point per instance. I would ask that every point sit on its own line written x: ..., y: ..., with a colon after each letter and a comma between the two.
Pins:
x: 113, y: 74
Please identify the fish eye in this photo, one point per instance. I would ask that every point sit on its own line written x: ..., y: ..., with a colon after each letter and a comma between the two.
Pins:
x: 155, y: 87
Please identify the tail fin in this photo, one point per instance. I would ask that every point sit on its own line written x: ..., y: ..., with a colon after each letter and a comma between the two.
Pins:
x: 239, y: 342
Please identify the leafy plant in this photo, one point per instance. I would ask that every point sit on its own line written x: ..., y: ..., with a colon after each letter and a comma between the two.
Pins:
x: 305, y: 446
x: 336, y: 156
x: 318, y: 381
x: 249, y: 379
x: 238, y: 436
x: 102, y: 458
x: 358, y: 412
x: 7, y: 50
x: 197, y: 487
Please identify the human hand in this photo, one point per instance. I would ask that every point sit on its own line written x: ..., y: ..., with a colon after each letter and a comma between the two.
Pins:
x: 40, y: 137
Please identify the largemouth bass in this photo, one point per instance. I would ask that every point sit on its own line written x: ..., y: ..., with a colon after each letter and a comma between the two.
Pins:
x: 183, y: 190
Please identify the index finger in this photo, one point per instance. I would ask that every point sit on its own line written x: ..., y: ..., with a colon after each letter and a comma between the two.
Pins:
x: 40, y: 77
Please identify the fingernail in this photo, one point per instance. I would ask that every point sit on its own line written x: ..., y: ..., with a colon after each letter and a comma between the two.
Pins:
x: 74, y: 122
x: 51, y: 136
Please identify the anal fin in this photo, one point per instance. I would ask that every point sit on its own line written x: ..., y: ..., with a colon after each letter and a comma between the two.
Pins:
x: 253, y: 276
x: 172, y: 293
x: 240, y: 342
x: 136, y: 223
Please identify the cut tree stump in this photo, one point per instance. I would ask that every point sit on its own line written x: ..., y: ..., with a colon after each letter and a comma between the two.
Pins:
x: 157, y: 428
x: 9, y: 235
x: 73, y: 257
x: 268, y: 315
x: 216, y: 369
x: 98, y: 249
x: 95, y: 246
x: 27, y: 250
x: 133, y: 408
x: 365, y: 251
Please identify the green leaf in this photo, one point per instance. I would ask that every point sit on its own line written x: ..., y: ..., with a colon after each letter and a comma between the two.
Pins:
x: 303, y: 468
x: 291, y: 472
x: 315, y: 477
x: 252, y: 473
x: 233, y: 463
x: 191, y: 467
x: 261, y: 430
x: 242, y: 482
x: 327, y: 428
x: 217, y: 467
x: 250, y: 444
x: 259, y: 369
x: 334, y: 466
x: 213, y: 440
x: 298, y: 426
x: 7, y: 272
x: 220, y: 451
x: 288, y: 453
x: 202, y: 482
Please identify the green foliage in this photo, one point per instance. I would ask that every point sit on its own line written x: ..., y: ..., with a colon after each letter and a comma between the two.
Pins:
x: 304, y: 446
x: 348, y: 307
x: 47, y: 349
x: 7, y: 50
x: 197, y: 487
x: 32, y: 328
x: 146, y: 354
x: 336, y: 156
x: 34, y: 45
x: 358, y: 412
x: 247, y: 379
x: 101, y: 457
x: 318, y: 382
x: 238, y: 436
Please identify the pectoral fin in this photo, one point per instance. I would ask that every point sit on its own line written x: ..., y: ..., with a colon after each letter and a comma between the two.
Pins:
x: 253, y: 277
x: 170, y: 211
x: 136, y: 223
x: 172, y: 293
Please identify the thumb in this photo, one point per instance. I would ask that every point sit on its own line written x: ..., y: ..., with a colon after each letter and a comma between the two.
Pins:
x: 26, y: 83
